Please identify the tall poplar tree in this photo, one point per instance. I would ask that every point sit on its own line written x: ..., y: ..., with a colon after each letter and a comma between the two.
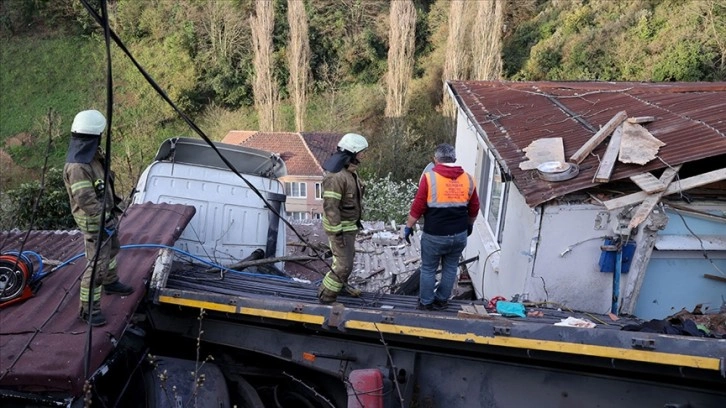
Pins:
x: 298, y: 59
x: 487, y: 40
x: 402, y: 35
x: 264, y: 87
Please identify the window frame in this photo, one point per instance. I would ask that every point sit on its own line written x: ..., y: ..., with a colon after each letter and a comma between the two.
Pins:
x: 488, y: 173
x: 302, y: 189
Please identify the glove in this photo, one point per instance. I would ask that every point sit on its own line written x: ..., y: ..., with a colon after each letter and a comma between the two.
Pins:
x: 469, y: 230
x: 110, y: 227
x: 407, y: 232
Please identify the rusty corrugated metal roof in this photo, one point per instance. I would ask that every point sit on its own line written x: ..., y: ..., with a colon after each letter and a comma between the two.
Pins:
x: 41, y: 338
x: 690, y: 120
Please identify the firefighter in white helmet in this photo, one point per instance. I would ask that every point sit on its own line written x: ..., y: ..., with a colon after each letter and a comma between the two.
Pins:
x: 83, y: 175
x: 342, y: 208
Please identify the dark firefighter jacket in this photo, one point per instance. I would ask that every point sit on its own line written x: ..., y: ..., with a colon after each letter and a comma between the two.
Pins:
x: 85, y: 186
x: 342, y: 201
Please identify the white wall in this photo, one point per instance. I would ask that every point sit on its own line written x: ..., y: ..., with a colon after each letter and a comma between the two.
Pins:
x: 566, y: 269
x: 498, y: 272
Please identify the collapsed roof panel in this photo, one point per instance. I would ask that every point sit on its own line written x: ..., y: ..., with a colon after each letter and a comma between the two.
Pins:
x: 690, y: 118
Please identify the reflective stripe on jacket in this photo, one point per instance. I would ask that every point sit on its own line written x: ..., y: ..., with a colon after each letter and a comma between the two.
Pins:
x: 80, y: 180
x: 446, y: 192
x: 342, y: 201
x: 448, y: 203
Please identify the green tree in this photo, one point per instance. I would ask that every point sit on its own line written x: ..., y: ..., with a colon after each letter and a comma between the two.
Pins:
x: 53, y: 210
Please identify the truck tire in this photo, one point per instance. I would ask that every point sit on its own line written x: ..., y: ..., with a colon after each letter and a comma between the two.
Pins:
x: 170, y: 384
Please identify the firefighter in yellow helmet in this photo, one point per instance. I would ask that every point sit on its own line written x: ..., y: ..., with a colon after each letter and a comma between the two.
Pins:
x: 83, y: 175
x: 342, y: 208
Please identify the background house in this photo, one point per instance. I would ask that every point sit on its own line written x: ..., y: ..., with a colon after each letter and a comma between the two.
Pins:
x: 303, y: 153
x: 543, y: 240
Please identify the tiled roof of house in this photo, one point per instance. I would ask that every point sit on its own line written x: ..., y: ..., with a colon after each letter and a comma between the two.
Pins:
x: 322, y: 145
x: 303, y: 153
x: 238, y: 137
x: 690, y: 118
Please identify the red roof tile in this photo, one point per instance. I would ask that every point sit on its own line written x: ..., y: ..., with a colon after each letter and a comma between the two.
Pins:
x: 299, y: 159
x: 322, y: 145
x: 690, y: 119
x: 237, y: 137
x: 41, y: 338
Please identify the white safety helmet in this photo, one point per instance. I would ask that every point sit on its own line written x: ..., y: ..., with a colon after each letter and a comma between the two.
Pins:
x: 353, y: 143
x: 89, y: 122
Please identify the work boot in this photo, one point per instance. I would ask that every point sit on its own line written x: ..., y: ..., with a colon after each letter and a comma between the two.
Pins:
x: 421, y: 306
x: 355, y: 292
x: 96, y: 319
x: 439, y: 305
x: 118, y: 288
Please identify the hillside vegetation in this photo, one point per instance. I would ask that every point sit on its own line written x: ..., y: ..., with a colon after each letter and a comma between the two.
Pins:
x: 52, y: 65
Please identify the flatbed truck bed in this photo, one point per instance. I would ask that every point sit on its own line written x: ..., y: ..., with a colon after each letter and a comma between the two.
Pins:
x: 429, y: 353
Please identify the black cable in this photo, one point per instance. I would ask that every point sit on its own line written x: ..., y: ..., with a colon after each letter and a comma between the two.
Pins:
x: 107, y: 184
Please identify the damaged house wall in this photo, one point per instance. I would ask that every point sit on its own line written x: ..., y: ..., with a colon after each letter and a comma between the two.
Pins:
x: 688, y: 265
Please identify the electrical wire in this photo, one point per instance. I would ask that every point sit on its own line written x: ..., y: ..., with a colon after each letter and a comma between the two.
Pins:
x: 700, y: 241
x: 185, y: 253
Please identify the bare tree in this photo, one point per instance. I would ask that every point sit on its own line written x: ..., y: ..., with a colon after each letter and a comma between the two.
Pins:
x: 223, y: 30
x: 265, y: 86
x: 487, y: 40
x: 717, y: 26
x: 400, y: 56
x: 455, y: 62
x: 298, y: 59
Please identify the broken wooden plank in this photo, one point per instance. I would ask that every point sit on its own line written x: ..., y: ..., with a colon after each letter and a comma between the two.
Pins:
x: 638, y: 145
x: 473, y: 312
x: 641, y: 119
x: 682, y: 185
x: 649, y: 203
x: 605, y: 169
x: 598, y: 137
x: 648, y: 183
x: 714, y: 277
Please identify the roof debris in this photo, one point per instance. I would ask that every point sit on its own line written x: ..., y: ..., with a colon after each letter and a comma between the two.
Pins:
x: 638, y: 145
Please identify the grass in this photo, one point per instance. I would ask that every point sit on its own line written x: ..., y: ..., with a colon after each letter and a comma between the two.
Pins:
x: 40, y: 74
x: 63, y: 74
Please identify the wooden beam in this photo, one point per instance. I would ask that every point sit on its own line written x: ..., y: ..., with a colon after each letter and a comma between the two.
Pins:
x: 649, y: 203
x: 683, y: 185
x: 641, y: 119
x: 605, y: 169
x: 598, y: 137
x: 648, y: 183
x: 714, y: 277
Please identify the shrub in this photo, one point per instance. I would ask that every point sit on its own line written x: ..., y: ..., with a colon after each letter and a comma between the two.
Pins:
x: 387, y: 200
x: 53, y: 209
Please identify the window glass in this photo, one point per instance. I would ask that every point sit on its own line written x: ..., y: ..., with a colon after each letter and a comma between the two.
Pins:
x: 482, y: 187
x: 298, y: 215
x: 495, y: 203
x: 492, y: 191
x: 296, y: 189
x: 318, y: 191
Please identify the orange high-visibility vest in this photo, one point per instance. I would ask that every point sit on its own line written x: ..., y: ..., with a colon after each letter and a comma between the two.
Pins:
x: 445, y: 192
